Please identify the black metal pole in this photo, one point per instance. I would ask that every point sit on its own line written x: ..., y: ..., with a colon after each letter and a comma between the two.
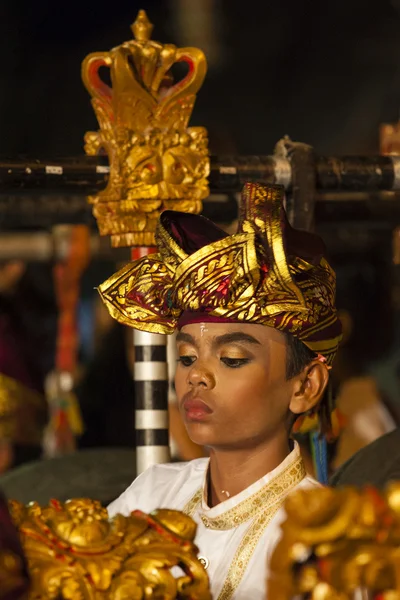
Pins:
x: 85, y: 175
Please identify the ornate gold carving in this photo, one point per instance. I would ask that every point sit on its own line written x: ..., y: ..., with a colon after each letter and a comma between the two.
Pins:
x: 338, y: 545
x: 156, y: 160
x: 75, y: 552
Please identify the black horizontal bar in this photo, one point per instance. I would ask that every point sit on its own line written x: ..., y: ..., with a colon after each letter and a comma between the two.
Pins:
x: 85, y: 175
x: 152, y: 437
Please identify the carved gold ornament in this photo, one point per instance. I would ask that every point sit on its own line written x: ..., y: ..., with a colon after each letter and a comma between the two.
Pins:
x: 75, y: 552
x: 338, y: 545
x: 156, y: 160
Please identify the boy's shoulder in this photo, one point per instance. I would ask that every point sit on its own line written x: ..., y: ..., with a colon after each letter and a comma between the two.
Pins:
x: 198, y: 464
x: 161, y: 485
x: 169, y: 474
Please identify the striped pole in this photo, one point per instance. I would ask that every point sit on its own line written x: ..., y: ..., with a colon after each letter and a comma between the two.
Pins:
x: 151, y: 394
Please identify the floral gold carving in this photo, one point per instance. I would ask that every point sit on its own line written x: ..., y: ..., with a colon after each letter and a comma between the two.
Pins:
x: 75, y: 552
x: 156, y: 160
x: 338, y: 545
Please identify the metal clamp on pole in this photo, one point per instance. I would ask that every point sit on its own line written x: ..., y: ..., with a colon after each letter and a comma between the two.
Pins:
x: 301, y: 199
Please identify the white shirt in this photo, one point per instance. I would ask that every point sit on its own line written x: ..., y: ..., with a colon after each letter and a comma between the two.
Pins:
x: 236, y: 537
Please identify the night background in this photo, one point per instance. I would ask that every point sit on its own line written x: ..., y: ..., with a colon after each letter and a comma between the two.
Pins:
x: 325, y: 73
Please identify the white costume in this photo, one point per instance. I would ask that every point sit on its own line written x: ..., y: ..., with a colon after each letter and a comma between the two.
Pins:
x: 236, y: 537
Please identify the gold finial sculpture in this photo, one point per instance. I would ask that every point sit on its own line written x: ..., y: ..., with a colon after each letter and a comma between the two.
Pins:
x: 75, y: 552
x: 156, y: 160
x: 338, y: 545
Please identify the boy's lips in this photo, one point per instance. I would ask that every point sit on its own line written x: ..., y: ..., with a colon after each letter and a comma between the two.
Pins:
x: 196, y: 409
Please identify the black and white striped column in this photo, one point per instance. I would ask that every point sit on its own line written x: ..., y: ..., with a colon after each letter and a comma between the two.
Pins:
x: 151, y: 392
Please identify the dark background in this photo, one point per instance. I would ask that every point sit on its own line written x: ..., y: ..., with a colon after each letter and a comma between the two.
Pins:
x: 326, y: 73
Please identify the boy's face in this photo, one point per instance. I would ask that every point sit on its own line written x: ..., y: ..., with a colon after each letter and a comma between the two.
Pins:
x: 231, y: 384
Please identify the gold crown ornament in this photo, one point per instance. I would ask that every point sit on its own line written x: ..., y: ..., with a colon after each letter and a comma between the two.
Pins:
x: 156, y: 161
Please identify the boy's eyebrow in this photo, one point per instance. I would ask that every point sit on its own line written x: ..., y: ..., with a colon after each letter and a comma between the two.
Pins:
x: 185, y: 337
x: 227, y: 338
x: 235, y: 336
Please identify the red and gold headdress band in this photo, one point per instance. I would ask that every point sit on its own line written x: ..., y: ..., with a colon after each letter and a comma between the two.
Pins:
x: 267, y: 273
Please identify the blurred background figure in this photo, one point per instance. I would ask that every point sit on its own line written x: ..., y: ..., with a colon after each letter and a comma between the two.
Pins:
x: 14, y: 580
x: 27, y: 317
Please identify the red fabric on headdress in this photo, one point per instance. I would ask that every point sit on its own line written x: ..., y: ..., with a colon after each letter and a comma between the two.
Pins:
x: 267, y: 273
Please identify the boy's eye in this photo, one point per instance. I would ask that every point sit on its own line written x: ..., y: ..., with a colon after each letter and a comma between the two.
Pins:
x: 234, y: 363
x: 186, y: 361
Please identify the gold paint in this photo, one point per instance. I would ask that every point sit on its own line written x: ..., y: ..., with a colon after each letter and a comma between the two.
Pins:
x: 74, y: 551
x: 156, y: 161
x: 337, y: 541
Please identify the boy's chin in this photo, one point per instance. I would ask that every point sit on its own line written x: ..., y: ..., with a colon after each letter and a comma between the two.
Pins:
x: 202, y: 434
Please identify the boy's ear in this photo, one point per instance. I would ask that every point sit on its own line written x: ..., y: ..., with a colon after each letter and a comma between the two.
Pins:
x: 309, y: 387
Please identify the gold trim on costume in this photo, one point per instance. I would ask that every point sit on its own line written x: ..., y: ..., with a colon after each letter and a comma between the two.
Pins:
x: 263, y: 500
x: 190, y: 508
x: 262, y: 507
x: 266, y: 497
x: 246, y: 550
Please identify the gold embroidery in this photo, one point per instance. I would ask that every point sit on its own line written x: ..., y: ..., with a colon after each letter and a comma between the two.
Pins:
x: 190, y: 508
x: 262, y: 507
x: 246, y: 549
x: 262, y: 500
x: 246, y: 277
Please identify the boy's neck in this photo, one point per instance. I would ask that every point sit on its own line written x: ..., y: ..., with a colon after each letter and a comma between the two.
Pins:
x: 232, y: 471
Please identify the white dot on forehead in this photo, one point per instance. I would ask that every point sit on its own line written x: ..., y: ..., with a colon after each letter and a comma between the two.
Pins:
x: 203, y: 329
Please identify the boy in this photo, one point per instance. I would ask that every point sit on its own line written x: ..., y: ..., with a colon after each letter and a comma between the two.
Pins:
x: 257, y: 333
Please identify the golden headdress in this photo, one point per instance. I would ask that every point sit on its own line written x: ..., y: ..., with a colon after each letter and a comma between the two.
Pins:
x: 266, y: 273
